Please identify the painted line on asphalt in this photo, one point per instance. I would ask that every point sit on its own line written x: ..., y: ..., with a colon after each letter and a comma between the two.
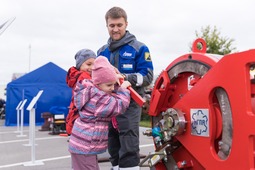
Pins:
x: 8, y: 132
x: 147, y: 145
x: 53, y: 159
x: 42, y: 160
x: 23, y: 140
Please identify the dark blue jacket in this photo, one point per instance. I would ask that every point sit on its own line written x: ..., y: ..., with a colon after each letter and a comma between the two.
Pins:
x: 132, y: 58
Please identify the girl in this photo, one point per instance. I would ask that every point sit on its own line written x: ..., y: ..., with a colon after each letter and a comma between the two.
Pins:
x: 97, y: 100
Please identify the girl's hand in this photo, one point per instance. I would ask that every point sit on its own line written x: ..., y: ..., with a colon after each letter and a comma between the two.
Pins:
x: 116, y: 70
x: 119, y: 77
x: 125, y: 84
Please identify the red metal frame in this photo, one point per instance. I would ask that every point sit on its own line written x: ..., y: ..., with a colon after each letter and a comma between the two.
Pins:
x: 231, y: 73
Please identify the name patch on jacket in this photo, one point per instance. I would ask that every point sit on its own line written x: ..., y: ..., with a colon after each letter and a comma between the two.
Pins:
x: 127, y: 66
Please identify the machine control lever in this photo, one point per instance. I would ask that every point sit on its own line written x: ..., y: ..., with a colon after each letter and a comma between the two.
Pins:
x: 154, y: 157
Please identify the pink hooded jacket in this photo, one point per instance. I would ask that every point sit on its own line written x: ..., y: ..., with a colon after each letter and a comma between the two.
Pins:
x: 96, y: 108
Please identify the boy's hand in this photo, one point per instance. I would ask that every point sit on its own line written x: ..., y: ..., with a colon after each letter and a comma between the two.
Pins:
x: 125, y: 84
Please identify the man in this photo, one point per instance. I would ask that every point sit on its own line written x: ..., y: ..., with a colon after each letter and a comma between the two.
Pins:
x: 133, y: 60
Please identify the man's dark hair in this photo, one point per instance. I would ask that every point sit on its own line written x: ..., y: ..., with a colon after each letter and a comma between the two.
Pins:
x: 115, y: 13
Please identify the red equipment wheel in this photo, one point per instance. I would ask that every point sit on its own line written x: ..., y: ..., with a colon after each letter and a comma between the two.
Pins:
x: 194, y: 109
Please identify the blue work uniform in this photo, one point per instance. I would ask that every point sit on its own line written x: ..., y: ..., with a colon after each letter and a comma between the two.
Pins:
x: 132, y: 58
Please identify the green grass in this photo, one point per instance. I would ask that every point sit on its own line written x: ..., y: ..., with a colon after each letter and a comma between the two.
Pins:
x: 145, y: 123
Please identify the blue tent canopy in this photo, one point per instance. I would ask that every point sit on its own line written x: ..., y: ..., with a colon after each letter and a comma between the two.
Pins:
x: 52, y: 80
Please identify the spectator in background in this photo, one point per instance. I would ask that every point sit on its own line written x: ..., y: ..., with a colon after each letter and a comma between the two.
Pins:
x: 2, y: 102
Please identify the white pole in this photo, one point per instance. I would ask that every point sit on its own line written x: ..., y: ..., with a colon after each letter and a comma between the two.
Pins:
x: 32, y: 115
x: 18, y: 120
x: 32, y: 124
x: 22, y: 118
x: 32, y: 129
x: 22, y: 122
x: 29, y: 58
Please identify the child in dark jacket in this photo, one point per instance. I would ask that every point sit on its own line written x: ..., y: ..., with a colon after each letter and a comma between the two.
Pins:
x: 98, y: 100
x: 84, y: 61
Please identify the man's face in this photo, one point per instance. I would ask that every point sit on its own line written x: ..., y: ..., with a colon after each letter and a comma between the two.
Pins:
x: 116, y: 28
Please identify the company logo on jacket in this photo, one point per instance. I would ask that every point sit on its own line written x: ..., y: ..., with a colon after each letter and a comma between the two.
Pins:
x: 127, y: 54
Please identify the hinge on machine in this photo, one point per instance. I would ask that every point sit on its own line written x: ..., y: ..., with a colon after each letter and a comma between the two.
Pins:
x: 154, y: 157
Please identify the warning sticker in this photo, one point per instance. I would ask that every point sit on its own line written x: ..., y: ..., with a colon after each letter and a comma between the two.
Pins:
x: 147, y: 56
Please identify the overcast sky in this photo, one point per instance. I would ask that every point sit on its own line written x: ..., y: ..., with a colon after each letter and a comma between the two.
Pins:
x: 57, y: 29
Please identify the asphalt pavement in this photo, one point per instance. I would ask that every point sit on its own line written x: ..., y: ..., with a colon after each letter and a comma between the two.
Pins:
x: 20, y: 151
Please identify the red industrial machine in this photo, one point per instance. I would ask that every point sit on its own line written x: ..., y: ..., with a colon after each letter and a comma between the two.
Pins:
x: 203, y: 113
